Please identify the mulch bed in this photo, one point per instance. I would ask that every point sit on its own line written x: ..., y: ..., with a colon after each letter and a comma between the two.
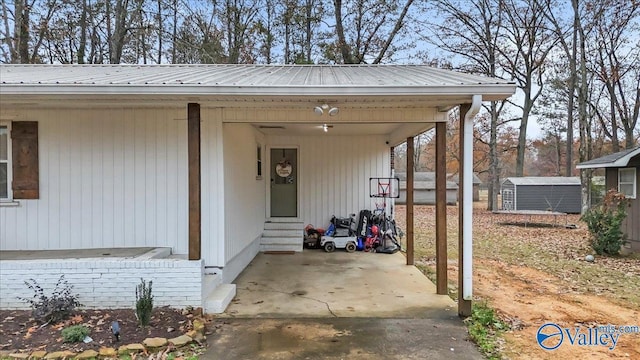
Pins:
x: 19, y: 331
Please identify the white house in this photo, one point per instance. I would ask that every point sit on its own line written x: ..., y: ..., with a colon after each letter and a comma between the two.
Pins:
x: 214, y: 162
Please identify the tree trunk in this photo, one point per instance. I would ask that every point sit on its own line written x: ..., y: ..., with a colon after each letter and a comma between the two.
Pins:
x: 120, y: 31
x: 585, y: 175
x: 347, y: 58
x: 394, y: 32
x: 571, y: 91
x: 160, y: 31
x: 22, y: 14
x: 522, y: 136
x: 308, y: 30
x: 82, y: 46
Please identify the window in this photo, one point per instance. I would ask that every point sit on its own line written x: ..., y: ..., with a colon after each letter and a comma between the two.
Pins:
x: 627, y: 182
x: 259, y: 162
x: 5, y: 162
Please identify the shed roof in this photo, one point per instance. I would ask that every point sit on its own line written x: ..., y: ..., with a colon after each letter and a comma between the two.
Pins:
x: 544, y: 180
x: 619, y: 159
x: 234, y: 79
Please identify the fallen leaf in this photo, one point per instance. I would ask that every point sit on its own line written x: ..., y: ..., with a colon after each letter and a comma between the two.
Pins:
x: 76, y: 319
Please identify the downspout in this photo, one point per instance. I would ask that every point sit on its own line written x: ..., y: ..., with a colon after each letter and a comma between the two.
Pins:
x: 467, y: 195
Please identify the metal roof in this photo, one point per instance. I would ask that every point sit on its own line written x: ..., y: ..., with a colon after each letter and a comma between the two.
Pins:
x: 543, y: 180
x: 619, y: 159
x: 248, y: 80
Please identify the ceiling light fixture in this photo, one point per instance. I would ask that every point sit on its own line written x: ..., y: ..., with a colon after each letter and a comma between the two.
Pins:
x: 334, y: 111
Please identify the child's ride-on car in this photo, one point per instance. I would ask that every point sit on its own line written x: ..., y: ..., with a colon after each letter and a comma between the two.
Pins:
x: 330, y: 243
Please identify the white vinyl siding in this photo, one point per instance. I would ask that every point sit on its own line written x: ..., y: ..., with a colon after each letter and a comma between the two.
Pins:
x: 627, y: 182
x: 108, y: 178
x: 213, y: 192
x: 5, y: 161
x: 244, y: 197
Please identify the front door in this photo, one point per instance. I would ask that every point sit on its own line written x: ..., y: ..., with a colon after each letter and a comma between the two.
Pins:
x: 284, y: 182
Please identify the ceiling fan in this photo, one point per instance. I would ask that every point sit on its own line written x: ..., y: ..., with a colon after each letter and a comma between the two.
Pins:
x: 324, y: 127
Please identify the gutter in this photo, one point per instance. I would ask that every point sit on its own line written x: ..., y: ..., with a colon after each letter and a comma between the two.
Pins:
x: 467, y: 196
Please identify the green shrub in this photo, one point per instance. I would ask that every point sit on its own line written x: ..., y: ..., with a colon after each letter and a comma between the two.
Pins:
x: 144, y: 302
x: 50, y: 309
x: 74, y: 334
x: 604, y: 222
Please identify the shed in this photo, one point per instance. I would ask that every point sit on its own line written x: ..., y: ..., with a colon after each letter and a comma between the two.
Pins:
x: 561, y: 194
x: 424, y: 188
x: 424, y: 192
x: 621, y: 174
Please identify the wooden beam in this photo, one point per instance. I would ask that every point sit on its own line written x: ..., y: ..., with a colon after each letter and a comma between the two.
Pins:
x: 441, y: 209
x: 464, y: 306
x: 409, y: 201
x: 193, y: 139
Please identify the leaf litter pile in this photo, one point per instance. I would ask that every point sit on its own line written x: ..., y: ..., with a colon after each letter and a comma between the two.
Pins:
x: 19, y: 331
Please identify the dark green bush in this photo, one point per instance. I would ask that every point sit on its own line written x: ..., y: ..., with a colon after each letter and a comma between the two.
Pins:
x: 50, y: 309
x: 604, y: 222
x: 74, y: 334
x: 144, y: 302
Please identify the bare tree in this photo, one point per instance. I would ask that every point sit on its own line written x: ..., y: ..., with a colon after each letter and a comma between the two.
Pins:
x: 376, y: 27
x: 526, y: 43
x: 25, y: 27
x: 617, y: 54
x: 472, y: 32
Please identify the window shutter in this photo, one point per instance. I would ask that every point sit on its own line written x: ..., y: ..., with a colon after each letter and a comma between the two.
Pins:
x: 24, y: 139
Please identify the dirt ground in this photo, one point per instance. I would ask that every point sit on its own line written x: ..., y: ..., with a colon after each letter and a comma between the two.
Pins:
x: 538, y: 274
x: 528, y: 298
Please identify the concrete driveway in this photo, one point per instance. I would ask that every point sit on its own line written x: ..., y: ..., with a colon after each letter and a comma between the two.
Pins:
x: 317, y: 305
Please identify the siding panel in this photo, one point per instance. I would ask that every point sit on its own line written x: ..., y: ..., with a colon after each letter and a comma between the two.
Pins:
x: 562, y: 198
x: 213, y: 219
x: 244, y: 199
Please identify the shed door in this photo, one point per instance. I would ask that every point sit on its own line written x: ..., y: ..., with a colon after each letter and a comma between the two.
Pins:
x: 507, y: 199
x: 284, y: 182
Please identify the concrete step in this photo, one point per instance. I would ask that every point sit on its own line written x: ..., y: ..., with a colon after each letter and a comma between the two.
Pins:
x: 218, y: 301
x: 283, y: 240
x: 281, y: 247
x: 277, y: 225
x: 283, y: 233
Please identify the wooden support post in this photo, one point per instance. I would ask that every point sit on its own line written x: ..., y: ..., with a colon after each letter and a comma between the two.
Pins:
x: 193, y: 139
x: 464, y: 306
x: 410, y: 201
x: 441, y: 208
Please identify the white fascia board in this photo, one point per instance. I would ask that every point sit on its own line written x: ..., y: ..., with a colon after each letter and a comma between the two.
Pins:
x: 622, y: 162
x: 488, y: 91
